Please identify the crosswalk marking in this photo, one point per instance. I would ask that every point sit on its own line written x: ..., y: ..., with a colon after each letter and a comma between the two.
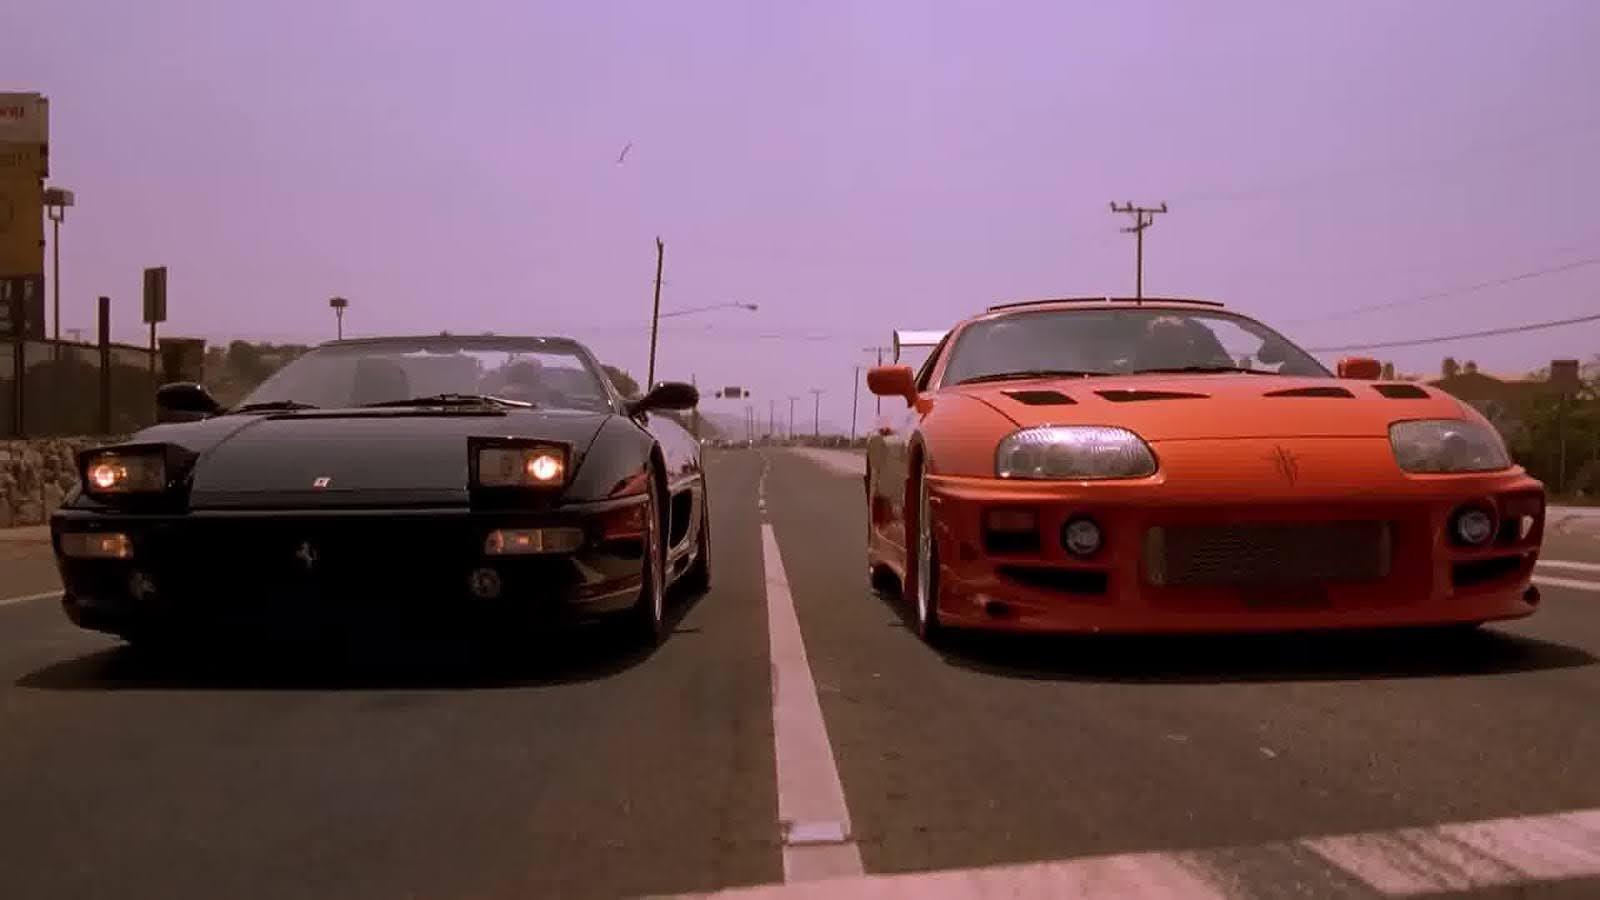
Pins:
x: 1403, y: 862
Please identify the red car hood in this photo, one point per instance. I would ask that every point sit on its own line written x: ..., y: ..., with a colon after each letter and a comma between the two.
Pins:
x: 1196, y: 407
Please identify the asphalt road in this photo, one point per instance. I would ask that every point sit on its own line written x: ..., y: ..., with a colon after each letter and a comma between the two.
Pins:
x: 429, y: 770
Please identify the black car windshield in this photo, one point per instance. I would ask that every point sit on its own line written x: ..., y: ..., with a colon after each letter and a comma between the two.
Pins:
x: 547, y: 374
x: 1122, y: 341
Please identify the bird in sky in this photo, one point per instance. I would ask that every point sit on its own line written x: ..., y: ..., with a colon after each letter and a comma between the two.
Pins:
x: 624, y: 154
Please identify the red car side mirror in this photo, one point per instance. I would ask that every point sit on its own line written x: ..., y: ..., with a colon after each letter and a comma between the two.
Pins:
x: 893, y: 381
x: 1362, y: 367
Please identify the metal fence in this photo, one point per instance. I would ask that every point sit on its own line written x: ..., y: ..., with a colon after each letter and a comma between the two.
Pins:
x: 60, y: 388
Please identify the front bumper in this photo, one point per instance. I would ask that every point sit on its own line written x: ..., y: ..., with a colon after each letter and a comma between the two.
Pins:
x: 1426, y: 579
x: 291, y: 568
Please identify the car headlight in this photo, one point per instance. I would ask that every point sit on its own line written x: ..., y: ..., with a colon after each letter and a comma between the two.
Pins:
x: 1447, y: 445
x: 1074, y: 452
x: 131, y: 471
x: 520, y: 465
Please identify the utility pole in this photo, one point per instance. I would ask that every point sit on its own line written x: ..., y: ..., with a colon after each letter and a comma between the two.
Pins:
x: 1143, y: 217
x: 878, y: 350
x: 772, y: 416
x: 655, y: 316
x: 855, y: 399
x: 816, y: 416
x: 792, y: 398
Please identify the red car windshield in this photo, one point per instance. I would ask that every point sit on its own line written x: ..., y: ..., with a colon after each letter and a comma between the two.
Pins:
x: 1120, y: 342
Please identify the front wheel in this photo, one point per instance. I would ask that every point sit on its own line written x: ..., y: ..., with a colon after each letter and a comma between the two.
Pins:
x: 647, y: 617
x: 924, y: 567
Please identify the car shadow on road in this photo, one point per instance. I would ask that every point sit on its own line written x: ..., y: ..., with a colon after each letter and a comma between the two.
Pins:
x: 1323, y: 656
x: 568, y: 655
x: 1212, y: 659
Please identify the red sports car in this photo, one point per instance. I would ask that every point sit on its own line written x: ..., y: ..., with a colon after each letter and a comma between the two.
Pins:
x: 1171, y: 466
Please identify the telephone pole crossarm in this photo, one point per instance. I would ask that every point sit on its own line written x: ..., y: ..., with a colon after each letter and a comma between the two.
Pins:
x: 1143, y: 217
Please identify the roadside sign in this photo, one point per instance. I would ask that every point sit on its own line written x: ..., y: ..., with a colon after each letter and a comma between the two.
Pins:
x: 21, y: 226
x: 155, y: 295
x: 22, y: 307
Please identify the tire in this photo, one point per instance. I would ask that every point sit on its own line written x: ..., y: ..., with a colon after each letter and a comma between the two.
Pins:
x: 697, y: 580
x: 922, y: 569
x: 647, y: 617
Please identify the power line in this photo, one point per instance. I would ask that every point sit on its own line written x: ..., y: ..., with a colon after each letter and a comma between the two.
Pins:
x: 1453, y: 292
x: 1514, y: 329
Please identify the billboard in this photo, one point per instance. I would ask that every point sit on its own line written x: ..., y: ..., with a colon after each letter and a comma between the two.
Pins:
x: 21, y: 226
x: 24, y: 119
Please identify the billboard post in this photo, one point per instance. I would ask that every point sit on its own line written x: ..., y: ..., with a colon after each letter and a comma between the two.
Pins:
x: 155, y: 312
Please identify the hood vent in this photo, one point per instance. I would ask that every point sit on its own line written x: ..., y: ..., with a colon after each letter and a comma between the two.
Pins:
x: 1401, y: 391
x: 1132, y: 395
x: 1040, y: 398
x: 1313, y: 392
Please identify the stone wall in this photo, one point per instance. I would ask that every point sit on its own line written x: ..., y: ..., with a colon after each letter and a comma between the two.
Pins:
x: 35, y: 475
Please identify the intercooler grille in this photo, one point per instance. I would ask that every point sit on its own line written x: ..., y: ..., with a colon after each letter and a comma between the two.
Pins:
x: 1213, y: 555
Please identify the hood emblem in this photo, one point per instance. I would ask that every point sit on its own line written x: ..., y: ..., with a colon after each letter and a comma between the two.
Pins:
x: 321, y: 481
x: 1287, y: 464
x: 307, y: 554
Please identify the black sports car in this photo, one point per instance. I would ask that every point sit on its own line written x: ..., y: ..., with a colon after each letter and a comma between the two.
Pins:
x: 393, y: 478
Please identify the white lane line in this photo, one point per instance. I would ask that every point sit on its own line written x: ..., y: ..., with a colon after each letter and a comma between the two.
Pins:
x: 1573, y: 583
x: 1569, y: 564
x: 1398, y: 863
x: 8, y: 601
x: 812, y: 816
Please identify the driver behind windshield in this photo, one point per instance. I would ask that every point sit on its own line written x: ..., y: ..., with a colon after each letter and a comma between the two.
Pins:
x: 521, y: 380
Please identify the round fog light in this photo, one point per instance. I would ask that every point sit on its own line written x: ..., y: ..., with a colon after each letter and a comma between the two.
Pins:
x: 1474, y: 526
x: 1081, y: 537
x: 485, y: 583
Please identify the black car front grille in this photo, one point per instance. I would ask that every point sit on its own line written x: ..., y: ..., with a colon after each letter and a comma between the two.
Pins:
x: 1211, y: 555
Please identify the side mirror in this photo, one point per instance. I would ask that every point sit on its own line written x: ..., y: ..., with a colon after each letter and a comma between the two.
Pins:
x: 666, y: 395
x: 1362, y: 367
x: 185, y: 401
x: 893, y: 381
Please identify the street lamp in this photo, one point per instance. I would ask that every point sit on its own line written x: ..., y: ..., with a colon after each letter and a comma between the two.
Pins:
x: 656, y: 316
x: 699, y: 309
x: 56, y: 201
x: 339, y: 305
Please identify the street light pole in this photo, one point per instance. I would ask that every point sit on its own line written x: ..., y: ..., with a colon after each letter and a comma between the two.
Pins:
x: 816, y: 416
x: 56, y: 201
x: 338, y: 304
x: 698, y: 309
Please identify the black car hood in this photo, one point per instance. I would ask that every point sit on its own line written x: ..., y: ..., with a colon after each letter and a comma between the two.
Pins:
x: 368, y: 457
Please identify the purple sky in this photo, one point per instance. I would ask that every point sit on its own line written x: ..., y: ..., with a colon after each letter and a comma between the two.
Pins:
x: 851, y: 167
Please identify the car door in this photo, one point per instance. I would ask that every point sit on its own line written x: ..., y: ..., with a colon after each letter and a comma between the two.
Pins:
x: 888, y: 462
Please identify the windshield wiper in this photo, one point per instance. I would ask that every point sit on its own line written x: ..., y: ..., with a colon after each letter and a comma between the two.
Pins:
x: 1029, y: 373
x: 1180, y: 370
x: 274, y: 405
x: 452, y: 400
